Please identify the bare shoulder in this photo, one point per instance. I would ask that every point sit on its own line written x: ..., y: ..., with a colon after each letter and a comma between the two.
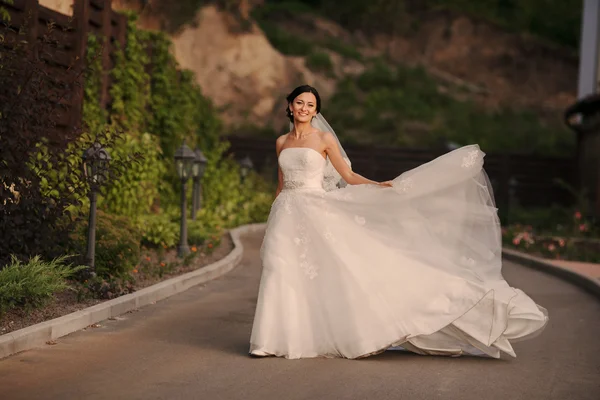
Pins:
x: 280, y: 141
x: 327, y: 137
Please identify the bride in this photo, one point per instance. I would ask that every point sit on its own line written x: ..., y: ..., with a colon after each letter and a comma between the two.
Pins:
x: 353, y: 267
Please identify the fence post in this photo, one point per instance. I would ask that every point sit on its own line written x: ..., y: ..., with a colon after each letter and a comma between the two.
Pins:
x: 122, y: 30
x: 106, y: 33
x: 81, y: 15
x: 505, y: 187
x: 32, y: 9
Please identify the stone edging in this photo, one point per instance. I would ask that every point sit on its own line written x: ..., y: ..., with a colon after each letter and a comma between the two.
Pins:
x: 574, y: 277
x: 38, y: 334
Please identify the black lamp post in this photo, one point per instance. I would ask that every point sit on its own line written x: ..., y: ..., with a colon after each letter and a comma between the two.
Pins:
x: 95, y: 169
x: 246, y: 165
x: 197, y: 172
x: 184, y: 160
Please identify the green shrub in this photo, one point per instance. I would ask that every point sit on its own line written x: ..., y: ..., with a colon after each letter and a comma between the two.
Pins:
x: 117, y: 244
x: 199, y: 232
x: 287, y: 43
x: 32, y: 284
x: 137, y: 188
x: 319, y: 61
x: 159, y: 230
x: 342, y: 48
x: 388, y: 102
x: 4, y: 14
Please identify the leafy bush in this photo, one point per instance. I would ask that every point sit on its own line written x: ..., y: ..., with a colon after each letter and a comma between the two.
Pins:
x: 287, y: 43
x: 159, y: 230
x: 319, y: 61
x: 199, y: 232
x: 131, y: 88
x: 231, y: 202
x: 4, y: 15
x: 178, y: 109
x: 403, y: 106
x: 559, y: 22
x: 135, y: 191
x: 117, y: 244
x: 32, y: 284
x: 342, y: 48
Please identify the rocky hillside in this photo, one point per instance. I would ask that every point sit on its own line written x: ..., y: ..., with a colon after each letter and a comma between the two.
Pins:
x: 247, y: 55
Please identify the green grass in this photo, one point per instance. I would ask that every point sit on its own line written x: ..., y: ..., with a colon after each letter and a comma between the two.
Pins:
x: 33, y: 284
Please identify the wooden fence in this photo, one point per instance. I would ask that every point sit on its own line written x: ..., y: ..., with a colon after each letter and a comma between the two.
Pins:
x: 530, y: 181
x: 71, y: 35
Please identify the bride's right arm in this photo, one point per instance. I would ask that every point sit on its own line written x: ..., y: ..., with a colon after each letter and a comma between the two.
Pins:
x: 278, y: 148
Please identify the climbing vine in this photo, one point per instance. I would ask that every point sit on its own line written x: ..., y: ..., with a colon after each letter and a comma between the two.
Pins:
x: 94, y: 115
x: 131, y: 88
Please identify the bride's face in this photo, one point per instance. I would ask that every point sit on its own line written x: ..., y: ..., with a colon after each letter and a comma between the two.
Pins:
x: 304, y: 107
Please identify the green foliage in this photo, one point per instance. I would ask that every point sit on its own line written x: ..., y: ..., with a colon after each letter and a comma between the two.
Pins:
x: 137, y: 189
x: 557, y: 21
x: 404, y: 107
x: 131, y: 88
x: 177, y: 107
x: 93, y: 114
x: 319, y: 61
x: 342, y: 48
x: 117, y: 244
x: 40, y: 165
x: 231, y: 202
x: 555, y: 232
x: 287, y: 43
x: 202, y: 232
x: 4, y: 14
x: 33, y: 283
x: 159, y: 230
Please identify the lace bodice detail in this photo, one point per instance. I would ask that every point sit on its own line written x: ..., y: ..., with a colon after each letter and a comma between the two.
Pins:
x: 302, y: 168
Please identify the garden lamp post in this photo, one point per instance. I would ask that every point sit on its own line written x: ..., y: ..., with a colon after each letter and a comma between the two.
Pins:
x: 184, y: 160
x: 246, y: 165
x: 95, y: 169
x: 197, y: 172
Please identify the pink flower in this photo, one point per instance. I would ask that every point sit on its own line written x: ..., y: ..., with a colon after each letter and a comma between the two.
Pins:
x: 561, y: 242
x: 516, y: 241
x: 583, y: 227
x: 577, y: 215
x: 551, y: 247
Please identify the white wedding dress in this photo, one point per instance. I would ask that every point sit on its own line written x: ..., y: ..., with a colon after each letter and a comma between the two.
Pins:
x: 355, y: 271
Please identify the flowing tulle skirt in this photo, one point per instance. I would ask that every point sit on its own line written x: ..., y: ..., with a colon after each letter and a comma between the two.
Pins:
x: 355, y: 271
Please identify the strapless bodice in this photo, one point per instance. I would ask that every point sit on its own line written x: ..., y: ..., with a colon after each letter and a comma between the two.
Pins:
x: 302, y: 168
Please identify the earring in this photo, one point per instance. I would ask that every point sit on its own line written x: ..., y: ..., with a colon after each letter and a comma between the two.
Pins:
x: 291, y: 113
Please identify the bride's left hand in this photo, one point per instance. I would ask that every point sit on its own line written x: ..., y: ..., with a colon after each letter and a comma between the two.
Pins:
x: 385, y: 184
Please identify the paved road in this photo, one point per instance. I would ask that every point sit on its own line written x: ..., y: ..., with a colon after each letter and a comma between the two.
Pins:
x: 194, y: 346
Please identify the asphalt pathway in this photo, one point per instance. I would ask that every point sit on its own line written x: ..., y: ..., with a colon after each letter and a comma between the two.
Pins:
x: 194, y: 346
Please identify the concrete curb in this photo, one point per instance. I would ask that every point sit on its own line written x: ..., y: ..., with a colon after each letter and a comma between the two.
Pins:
x: 37, y: 335
x: 585, y: 282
